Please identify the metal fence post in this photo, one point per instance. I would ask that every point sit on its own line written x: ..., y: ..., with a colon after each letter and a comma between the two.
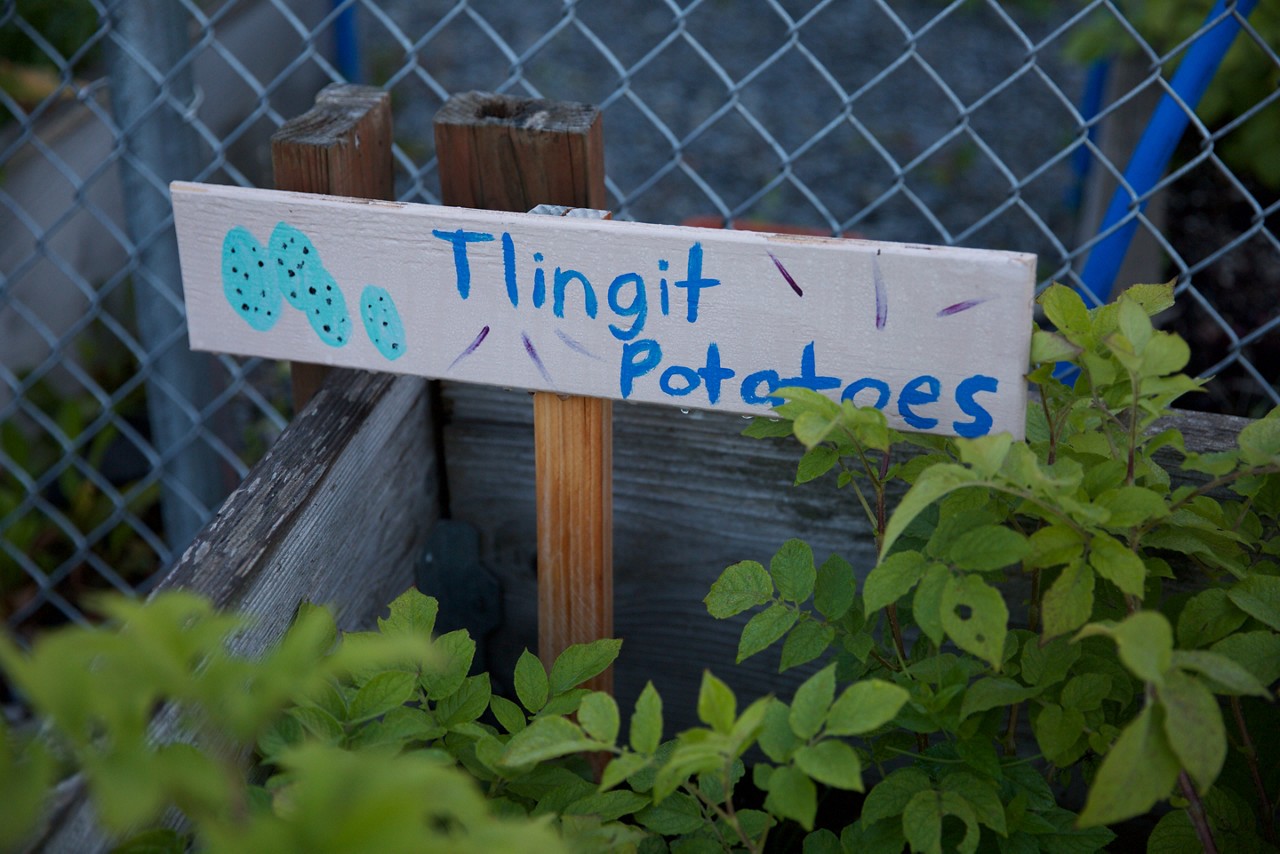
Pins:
x: 151, y: 90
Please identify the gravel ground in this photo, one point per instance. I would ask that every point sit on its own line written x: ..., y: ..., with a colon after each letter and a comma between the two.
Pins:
x: 723, y: 112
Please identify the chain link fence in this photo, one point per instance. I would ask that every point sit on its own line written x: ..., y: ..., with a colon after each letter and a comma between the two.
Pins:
x: 1004, y: 125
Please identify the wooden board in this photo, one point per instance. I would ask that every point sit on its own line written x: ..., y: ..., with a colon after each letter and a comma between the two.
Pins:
x: 694, y: 318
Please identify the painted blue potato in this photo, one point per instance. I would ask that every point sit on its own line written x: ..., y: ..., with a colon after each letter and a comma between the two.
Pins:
x: 247, y: 280
x: 303, y: 280
x: 382, y: 321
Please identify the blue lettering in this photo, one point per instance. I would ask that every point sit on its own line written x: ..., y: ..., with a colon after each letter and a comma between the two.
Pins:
x: 750, y: 390
x: 694, y: 281
x: 880, y: 386
x: 688, y: 375
x: 809, y: 375
x: 638, y: 307
x: 509, y: 268
x: 562, y: 279
x: 981, y: 423
x: 461, y: 267
x: 920, y: 391
x: 539, y: 282
x: 663, y: 298
x: 638, y: 358
x: 713, y: 374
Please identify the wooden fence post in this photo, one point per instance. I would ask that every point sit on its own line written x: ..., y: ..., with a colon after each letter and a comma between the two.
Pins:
x: 341, y: 147
x: 510, y: 154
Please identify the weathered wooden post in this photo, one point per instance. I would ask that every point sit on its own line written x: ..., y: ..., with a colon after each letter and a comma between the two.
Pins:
x: 508, y: 154
x: 340, y: 147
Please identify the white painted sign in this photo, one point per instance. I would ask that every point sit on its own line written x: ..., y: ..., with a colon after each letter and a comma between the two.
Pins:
x: 696, y: 318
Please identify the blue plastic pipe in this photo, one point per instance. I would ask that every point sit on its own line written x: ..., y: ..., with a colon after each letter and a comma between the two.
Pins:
x: 1155, y: 148
x: 1095, y: 88
x: 346, y: 48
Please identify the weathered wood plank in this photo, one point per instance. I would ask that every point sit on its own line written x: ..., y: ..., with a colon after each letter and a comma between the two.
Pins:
x: 337, y: 513
x: 502, y: 153
x: 687, y: 317
x: 341, y: 147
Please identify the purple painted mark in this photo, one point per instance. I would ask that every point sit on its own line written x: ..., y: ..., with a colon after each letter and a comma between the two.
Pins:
x: 964, y: 305
x: 537, y: 360
x: 786, y: 275
x: 575, y: 346
x: 882, y: 296
x: 471, y: 348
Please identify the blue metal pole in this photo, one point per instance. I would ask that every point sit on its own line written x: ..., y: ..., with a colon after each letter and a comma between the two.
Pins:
x: 346, y: 46
x: 1155, y: 148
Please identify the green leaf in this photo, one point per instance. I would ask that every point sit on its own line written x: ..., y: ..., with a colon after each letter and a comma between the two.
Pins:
x: 1145, y: 643
x: 793, y: 571
x: 598, y: 717
x: 622, y: 767
x: 1086, y: 691
x: 509, y: 715
x: 457, y: 650
x: 993, y: 692
x: 608, y: 806
x: 1258, y: 652
x: 1224, y: 674
x: 981, y: 795
x: 816, y: 462
x: 776, y: 738
x: 890, y: 796
x: 1051, y: 347
x: 739, y: 588
x: 808, y: 640
x: 926, y: 606
x: 412, y: 613
x: 988, y: 547
x: 1193, y: 725
x: 1133, y: 323
x: 1068, y: 603
x: 933, y: 483
x: 156, y: 841
x: 717, y: 706
x: 892, y: 579
x: 1130, y: 506
x: 922, y: 821
x: 581, y: 661
x: 810, y: 428
x: 1057, y: 730
x: 821, y: 841
x: 764, y: 629
x: 531, y: 682
x: 985, y: 454
x: 811, y: 702
x: 676, y: 814
x: 1138, y: 771
x: 1066, y: 310
x: 1047, y: 664
x: 1110, y: 559
x: 547, y: 738
x: 975, y: 617
x: 834, y: 591
x: 832, y: 763
x: 865, y: 706
x: 792, y: 795
x: 765, y: 427
x: 564, y: 704
x: 1208, y: 616
x: 467, y: 703
x: 379, y: 695
x: 1054, y: 545
x: 1259, y: 441
x: 1259, y: 597
x: 646, y: 722
x: 321, y: 724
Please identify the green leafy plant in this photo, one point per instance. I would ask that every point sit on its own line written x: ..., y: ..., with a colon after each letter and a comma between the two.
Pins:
x: 1058, y: 636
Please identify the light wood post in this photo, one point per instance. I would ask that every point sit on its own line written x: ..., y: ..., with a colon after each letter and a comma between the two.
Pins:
x: 510, y: 154
x: 341, y: 147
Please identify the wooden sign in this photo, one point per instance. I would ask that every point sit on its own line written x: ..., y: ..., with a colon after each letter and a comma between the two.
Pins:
x: 938, y: 338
